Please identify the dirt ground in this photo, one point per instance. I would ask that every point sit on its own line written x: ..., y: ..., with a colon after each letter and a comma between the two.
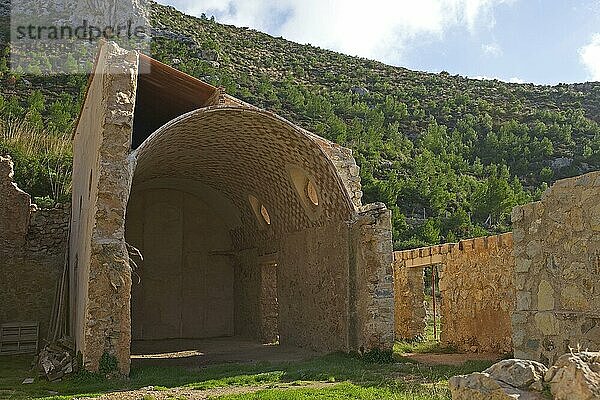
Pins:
x: 195, y: 352
x: 190, y: 394
x: 451, y: 359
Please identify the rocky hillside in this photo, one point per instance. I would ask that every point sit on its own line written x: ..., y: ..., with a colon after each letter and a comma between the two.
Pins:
x: 450, y: 155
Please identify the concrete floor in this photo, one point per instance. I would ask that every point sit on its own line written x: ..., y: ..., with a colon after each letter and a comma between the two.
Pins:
x: 196, y: 352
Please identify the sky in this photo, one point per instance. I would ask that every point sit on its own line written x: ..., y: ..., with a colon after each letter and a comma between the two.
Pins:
x: 539, y: 41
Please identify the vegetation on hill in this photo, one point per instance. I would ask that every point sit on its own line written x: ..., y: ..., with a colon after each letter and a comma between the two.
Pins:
x: 449, y: 155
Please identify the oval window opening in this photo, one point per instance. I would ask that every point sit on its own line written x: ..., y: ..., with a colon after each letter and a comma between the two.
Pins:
x: 265, y: 214
x: 311, y: 192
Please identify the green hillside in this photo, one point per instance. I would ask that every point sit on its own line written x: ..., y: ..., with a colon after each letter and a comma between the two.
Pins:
x: 450, y: 156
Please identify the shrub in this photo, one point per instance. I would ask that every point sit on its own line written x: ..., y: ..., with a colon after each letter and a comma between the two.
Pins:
x: 43, y: 160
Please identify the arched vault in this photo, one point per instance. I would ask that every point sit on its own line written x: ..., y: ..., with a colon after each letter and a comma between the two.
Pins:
x: 243, y: 152
x: 235, y: 208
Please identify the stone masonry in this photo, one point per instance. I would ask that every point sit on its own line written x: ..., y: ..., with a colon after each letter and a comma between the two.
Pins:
x: 15, y: 209
x: 33, y: 243
x: 557, y: 264
x: 100, y: 271
x: 477, y: 295
x: 409, y: 298
x: 476, y: 286
x: 282, y: 195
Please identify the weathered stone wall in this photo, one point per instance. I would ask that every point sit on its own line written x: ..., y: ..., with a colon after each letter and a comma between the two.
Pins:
x: 48, y: 231
x: 246, y: 289
x: 33, y: 243
x: 346, y: 167
x: 476, y: 285
x: 269, y: 307
x: 313, y: 288
x: 14, y: 211
x: 557, y: 252
x: 409, y: 300
x: 100, y: 272
x: 371, y: 280
x: 477, y: 290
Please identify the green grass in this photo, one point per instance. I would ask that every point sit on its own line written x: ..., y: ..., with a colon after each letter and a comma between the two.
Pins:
x: 358, y: 378
x: 345, y: 391
x: 422, y: 347
x: 428, y: 343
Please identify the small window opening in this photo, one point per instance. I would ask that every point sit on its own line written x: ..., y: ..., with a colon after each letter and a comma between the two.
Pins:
x: 90, y: 184
x: 261, y: 213
x: 311, y: 193
x: 307, y: 190
x: 265, y: 214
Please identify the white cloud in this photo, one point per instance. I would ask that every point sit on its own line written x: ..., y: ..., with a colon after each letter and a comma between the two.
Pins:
x: 589, y: 55
x: 379, y: 29
x: 492, y: 49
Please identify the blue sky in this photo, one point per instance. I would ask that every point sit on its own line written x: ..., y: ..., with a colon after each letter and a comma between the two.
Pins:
x: 540, y: 41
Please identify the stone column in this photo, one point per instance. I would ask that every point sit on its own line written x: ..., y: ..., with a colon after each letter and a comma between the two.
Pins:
x: 371, y: 282
x: 409, y: 297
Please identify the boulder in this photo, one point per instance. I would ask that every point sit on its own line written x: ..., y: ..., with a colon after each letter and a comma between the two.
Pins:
x: 481, y: 386
x: 575, y: 376
x: 521, y: 374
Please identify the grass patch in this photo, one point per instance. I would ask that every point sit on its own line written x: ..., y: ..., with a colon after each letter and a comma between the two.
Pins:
x: 422, y: 347
x: 42, y: 159
x: 345, y: 391
x: 360, y: 379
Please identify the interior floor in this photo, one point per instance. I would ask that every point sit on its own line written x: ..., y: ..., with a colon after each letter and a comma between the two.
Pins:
x: 197, y: 352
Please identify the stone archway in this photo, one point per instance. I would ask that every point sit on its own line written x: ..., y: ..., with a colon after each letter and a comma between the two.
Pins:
x: 271, y: 190
x: 200, y: 188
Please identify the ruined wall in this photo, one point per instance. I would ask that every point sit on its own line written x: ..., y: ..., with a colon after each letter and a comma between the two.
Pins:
x: 14, y: 211
x: 477, y: 290
x: 409, y: 300
x: 477, y: 294
x: 101, y: 278
x: 371, y: 280
x: 335, y: 285
x: 346, y: 167
x: 33, y: 243
x: 557, y: 252
x: 313, y: 288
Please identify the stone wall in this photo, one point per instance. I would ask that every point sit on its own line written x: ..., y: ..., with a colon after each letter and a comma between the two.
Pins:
x: 102, y: 171
x: 346, y: 167
x: 477, y: 291
x: 371, y: 280
x: 246, y: 288
x: 313, y: 288
x: 33, y: 243
x: 269, y: 307
x: 557, y: 252
x: 409, y: 300
x: 477, y: 294
x: 335, y: 285
x: 14, y: 211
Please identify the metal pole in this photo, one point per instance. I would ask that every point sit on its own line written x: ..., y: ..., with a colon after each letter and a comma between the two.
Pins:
x: 434, y: 302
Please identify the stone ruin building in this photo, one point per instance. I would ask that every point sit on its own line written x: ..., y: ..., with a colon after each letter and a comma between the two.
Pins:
x: 250, y: 226
x: 533, y: 293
